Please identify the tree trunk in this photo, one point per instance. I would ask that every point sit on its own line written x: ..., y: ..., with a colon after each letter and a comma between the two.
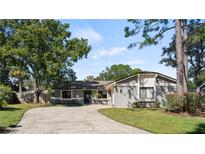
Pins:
x: 179, y: 56
x: 20, y: 84
x: 35, y: 86
x: 185, y: 46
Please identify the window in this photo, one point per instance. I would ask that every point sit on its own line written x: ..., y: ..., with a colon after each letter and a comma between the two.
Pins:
x: 102, y: 94
x: 142, y: 92
x: 77, y: 93
x: 66, y: 94
x: 146, y: 92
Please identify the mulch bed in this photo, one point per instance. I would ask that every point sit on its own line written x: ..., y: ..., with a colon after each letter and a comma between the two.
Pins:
x: 185, y: 114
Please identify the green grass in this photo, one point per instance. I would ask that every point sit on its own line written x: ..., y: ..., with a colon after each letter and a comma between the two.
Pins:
x: 156, y: 121
x: 11, y: 114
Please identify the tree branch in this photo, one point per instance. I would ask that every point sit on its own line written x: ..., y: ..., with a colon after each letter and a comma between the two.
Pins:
x: 161, y: 32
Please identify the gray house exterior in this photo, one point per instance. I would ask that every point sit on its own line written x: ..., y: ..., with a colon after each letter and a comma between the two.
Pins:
x: 81, y: 92
x: 144, y: 87
x: 201, y: 89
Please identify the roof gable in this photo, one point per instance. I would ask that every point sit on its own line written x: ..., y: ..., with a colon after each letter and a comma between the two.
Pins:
x: 144, y: 73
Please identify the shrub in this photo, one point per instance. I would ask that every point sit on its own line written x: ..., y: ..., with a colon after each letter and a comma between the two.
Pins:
x: 175, y: 103
x: 136, y: 104
x: 4, y: 95
x: 13, y: 98
x: 202, y: 103
x: 193, y: 103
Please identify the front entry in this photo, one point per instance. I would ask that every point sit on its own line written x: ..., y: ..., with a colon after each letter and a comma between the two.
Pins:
x: 87, y: 96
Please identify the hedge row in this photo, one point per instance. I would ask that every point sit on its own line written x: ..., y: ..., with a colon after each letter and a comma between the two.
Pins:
x: 193, y: 103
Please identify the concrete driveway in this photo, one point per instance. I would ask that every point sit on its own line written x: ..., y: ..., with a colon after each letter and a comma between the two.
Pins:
x: 81, y: 119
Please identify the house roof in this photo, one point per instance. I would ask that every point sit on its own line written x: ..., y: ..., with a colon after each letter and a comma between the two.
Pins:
x: 144, y: 72
x: 200, y: 87
x: 83, y: 85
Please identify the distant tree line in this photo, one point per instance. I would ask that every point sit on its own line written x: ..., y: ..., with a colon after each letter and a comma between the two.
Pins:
x: 116, y: 72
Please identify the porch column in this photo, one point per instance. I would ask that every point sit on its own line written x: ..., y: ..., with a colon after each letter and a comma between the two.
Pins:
x: 97, y: 93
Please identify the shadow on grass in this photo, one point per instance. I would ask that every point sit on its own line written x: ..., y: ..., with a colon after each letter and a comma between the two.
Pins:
x: 200, y: 129
x: 9, y: 109
x: 4, y: 130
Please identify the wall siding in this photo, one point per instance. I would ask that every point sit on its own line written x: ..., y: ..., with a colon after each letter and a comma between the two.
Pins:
x: 124, y: 96
x: 127, y: 92
x: 164, y: 87
x: 147, y: 81
x: 57, y: 93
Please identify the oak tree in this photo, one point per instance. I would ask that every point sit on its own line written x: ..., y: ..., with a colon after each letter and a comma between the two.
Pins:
x: 43, y: 47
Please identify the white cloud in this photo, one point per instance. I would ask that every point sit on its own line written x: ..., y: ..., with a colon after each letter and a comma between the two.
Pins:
x: 88, y: 33
x: 109, y: 52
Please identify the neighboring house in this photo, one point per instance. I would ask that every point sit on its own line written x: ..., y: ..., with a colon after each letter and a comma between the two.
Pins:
x: 144, y: 87
x: 83, y: 92
x: 201, y: 88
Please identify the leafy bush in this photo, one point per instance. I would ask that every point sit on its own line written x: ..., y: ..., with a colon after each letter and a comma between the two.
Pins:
x: 176, y: 103
x: 193, y: 103
x: 13, y: 98
x: 136, y: 104
x: 4, y: 95
x: 202, y: 103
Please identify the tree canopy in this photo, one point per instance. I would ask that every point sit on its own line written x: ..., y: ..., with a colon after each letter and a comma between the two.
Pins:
x: 42, y: 48
x: 116, y: 72
x: 196, y: 58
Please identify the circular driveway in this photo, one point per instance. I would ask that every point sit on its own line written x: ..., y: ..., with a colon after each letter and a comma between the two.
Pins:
x: 80, y: 119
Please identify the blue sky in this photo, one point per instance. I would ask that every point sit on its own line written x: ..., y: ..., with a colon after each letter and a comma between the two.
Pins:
x: 109, y: 46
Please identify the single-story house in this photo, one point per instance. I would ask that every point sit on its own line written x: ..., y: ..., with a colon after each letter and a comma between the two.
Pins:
x: 82, y: 92
x: 145, y: 87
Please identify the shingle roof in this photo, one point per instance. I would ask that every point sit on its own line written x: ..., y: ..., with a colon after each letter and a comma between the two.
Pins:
x: 84, y: 85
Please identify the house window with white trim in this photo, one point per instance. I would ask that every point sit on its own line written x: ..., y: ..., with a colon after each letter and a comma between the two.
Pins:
x: 146, y: 92
x: 66, y: 94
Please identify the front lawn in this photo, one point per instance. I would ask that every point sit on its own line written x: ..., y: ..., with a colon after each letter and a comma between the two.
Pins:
x: 11, y: 114
x: 156, y: 121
